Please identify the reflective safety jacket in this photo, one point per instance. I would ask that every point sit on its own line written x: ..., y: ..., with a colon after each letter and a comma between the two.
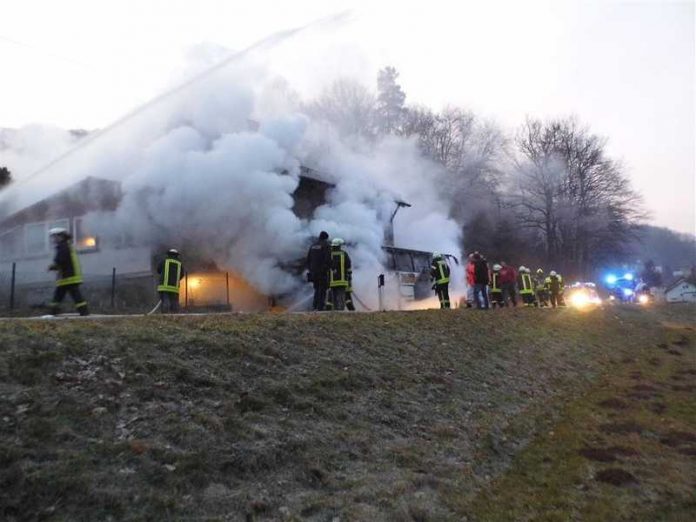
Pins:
x: 495, y: 283
x: 440, y: 272
x: 525, y: 284
x: 67, y: 264
x: 171, y: 272
x: 554, y: 284
x: 341, y: 271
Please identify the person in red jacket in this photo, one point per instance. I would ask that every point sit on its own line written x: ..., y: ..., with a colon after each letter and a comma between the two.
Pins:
x: 470, y: 281
x: 508, y: 277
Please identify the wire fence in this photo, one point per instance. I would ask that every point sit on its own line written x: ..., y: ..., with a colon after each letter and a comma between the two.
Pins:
x: 23, y: 291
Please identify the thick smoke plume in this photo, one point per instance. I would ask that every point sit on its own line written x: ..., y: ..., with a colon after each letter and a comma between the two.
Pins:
x: 194, y: 175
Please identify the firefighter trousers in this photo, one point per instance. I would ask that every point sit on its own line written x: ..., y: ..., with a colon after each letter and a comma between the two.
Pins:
x: 170, y: 302
x: 442, y: 292
x: 74, y: 291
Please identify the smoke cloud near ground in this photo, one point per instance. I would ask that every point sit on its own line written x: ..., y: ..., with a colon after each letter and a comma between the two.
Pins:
x: 196, y: 176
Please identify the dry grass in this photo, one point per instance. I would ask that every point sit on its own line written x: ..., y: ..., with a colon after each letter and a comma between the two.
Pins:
x: 396, y: 416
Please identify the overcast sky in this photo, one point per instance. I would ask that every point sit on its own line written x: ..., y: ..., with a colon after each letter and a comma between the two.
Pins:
x: 624, y: 68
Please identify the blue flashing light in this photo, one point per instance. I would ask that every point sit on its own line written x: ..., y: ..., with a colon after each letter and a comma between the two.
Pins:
x: 628, y: 277
x: 611, y: 279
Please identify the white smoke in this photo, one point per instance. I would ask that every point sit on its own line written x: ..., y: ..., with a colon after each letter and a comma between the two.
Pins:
x: 194, y: 174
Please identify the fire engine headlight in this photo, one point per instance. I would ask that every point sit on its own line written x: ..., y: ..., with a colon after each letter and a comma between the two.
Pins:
x: 579, y: 299
x: 643, y: 299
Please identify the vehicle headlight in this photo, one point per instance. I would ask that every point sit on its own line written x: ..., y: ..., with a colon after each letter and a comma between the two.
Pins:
x: 579, y: 299
x: 643, y: 299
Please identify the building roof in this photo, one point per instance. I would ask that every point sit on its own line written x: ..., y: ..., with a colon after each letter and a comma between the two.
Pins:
x: 87, y: 195
x: 678, y: 282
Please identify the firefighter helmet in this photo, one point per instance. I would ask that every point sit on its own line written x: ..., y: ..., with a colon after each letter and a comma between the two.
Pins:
x: 57, y: 231
x: 337, y: 241
x: 173, y: 252
x: 522, y: 268
x: 540, y: 271
x: 497, y: 267
x: 437, y: 255
x: 553, y: 273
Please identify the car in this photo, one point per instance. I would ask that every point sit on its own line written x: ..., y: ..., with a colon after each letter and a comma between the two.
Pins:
x: 582, y: 295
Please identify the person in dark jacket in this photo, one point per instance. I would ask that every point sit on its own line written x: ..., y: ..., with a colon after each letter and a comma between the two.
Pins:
x: 508, y: 277
x: 340, y: 275
x: 318, y: 261
x: 69, y: 273
x: 171, y: 272
x: 481, y: 280
x: 440, y: 274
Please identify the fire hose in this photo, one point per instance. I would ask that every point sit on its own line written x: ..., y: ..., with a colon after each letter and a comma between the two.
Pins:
x: 157, y: 306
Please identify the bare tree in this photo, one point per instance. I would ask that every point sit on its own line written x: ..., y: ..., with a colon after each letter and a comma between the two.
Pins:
x: 570, y: 191
x: 349, y: 106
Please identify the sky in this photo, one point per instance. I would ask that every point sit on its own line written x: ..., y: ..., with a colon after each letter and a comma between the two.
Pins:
x: 626, y: 69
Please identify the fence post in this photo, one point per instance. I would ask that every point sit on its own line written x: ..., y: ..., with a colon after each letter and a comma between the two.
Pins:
x: 227, y: 287
x: 113, y: 287
x: 12, y: 286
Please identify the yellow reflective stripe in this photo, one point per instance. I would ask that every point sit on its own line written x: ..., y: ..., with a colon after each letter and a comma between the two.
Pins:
x: 526, y: 284
x: 76, y: 278
x: 494, y: 286
x: 165, y: 286
x: 441, y: 269
x: 341, y: 280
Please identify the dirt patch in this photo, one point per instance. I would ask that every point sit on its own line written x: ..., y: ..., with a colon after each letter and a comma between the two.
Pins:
x: 621, y: 428
x: 682, y: 341
x: 597, y: 454
x: 616, y: 477
x: 684, y: 387
x: 636, y: 375
x: 671, y: 351
x: 662, y: 346
x: 677, y: 438
x: 628, y: 360
x: 622, y: 451
x: 614, y: 404
x: 644, y: 388
x: 658, y: 408
x: 689, y: 371
x: 690, y: 451
x: 655, y: 361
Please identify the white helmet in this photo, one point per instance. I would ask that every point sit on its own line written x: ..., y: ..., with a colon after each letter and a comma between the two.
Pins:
x: 553, y: 273
x: 437, y: 255
x: 497, y: 267
x: 173, y: 251
x: 337, y: 241
x: 55, y: 231
x: 521, y: 268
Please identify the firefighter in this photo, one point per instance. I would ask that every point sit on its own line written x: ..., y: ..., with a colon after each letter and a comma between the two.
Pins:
x: 526, y: 286
x: 540, y: 285
x: 69, y: 273
x: 340, y: 275
x: 496, y: 289
x: 440, y: 274
x: 350, y: 306
x: 171, y: 273
x: 318, y: 260
x: 554, y: 287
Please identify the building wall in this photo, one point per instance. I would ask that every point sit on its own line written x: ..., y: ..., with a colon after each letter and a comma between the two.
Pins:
x: 99, y: 263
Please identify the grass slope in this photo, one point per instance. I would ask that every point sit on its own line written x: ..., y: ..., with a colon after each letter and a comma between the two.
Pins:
x: 459, y: 415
